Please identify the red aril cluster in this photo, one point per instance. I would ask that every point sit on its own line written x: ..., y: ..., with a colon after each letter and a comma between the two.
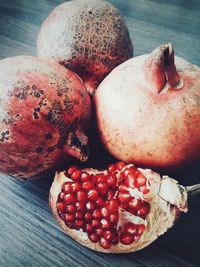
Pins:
x: 94, y: 202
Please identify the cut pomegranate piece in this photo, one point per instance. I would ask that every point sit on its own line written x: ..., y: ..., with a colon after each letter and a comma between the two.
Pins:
x: 115, y: 210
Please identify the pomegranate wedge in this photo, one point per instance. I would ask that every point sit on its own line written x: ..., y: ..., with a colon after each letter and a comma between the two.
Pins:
x: 121, y: 209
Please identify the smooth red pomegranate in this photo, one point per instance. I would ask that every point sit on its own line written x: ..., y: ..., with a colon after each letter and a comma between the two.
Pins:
x: 88, y: 36
x: 148, y: 110
x: 121, y: 209
x: 44, y: 112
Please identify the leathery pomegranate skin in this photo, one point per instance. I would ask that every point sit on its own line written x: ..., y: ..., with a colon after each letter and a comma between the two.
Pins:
x: 44, y: 112
x: 118, y: 210
x: 88, y: 36
x: 148, y: 110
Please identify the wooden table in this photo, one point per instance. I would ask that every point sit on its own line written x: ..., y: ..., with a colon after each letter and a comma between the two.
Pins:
x: 29, y: 235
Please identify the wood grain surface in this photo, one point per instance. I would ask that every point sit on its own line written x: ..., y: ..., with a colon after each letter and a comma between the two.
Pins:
x: 29, y: 235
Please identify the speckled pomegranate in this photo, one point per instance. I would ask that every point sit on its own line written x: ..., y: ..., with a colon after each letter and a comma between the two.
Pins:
x: 44, y: 112
x: 121, y: 209
x: 87, y: 36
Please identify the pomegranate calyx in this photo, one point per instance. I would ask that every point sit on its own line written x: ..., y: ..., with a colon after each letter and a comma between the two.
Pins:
x: 160, y: 69
x: 173, y: 193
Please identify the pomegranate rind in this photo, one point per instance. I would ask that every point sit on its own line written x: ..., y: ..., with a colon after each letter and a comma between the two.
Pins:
x: 161, y: 217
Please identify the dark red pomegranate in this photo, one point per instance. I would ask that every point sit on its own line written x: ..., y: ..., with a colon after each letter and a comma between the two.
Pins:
x: 88, y: 36
x: 121, y: 209
x: 44, y: 112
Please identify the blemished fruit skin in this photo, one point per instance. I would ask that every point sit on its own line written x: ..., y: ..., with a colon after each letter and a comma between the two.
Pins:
x: 118, y: 210
x: 89, y: 37
x: 148, y: 110
x: 44, y: 112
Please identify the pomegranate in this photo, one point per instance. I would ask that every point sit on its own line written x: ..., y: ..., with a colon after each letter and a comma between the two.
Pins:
x: 118, y: 210
x: 88, y: 36
x: 44, y: 112
x: 148, y: 110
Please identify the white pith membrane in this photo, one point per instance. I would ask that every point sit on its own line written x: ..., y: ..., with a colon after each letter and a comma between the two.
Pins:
x: 166, y: 197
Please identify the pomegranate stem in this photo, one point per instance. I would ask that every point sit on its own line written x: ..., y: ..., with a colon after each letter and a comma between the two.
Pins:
x: 193, y: 190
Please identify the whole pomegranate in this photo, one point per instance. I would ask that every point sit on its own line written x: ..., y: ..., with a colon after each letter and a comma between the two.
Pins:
x: 118, y: 210
x: 44, y: 112
x: 88, y: 36
x: 148, y: 110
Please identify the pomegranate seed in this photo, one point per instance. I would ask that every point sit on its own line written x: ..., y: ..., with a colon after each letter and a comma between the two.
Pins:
x: 99, y: 231
x: 102, y: 188
x: 80, y: 206
x: 88, y: 216
x: 131, y: 171
x: 124, y: 206
x: 71, y: 170
x: 69, y: 217
x: 108, y: 235
x: 97, y: 214
x: 141, y: 180
x: 76, y: 186
x: 105, y: 223
x: 123, y: 188
x: 105, y: 212
x: 85, y: 177
x: 93, y: 195
x: 88, y: 185
x: 81, y: 196
x: 99, y: 202
x: 131, y: 181
x: 135, y: 204
x: 60, y: 206
x: 124, y: 197
x: 144, y: 189
x: 88, y: 227
x: 101, y: 178
x: 70, y: 208
x: 94, y: 237
x: 95, y: 223
x: 111, y: 168
x: 126, y: 172
x: 136, y: 237
x: 112, y: 181
x: 120, y: 165
x: 79, y: 224
x: 94, y: 178
x: 144, y: 210
x: 62, y: 196
x: 71, y: 225
x: 78, y: 215
x: 76, y: 175
x: 126, y: 238
x: 115, y: 240
x: 114, y: 218
x: 69, y: 198
x: 62, y: 216
x: 90, y: 205
x: 131, y: 228
x: 113, y: 205
x: 104, y: 243
x: 67, y: 188
x: 141, y: 229
x: 110, y: 195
